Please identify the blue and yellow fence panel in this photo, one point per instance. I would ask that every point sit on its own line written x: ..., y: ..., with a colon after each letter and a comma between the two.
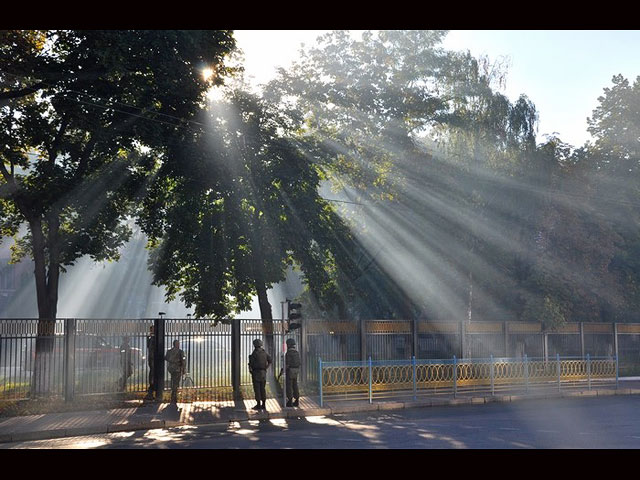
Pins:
x: 358, y: 379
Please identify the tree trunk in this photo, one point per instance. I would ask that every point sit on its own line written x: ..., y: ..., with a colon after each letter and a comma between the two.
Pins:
x: 47, y: 299
x: 266, y: 315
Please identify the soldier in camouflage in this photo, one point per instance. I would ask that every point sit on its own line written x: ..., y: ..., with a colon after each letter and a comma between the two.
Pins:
x: 176, y: 364
x: 292, y: 361
x: 259, y: 361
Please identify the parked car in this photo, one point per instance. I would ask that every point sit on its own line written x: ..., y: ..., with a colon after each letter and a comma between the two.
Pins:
x: 94, y: 351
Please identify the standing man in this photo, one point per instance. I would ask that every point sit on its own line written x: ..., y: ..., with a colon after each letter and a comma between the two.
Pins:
x: 151, y: 362
x: 259, y: 361
x: 177, y: 365
x: 292, y: 361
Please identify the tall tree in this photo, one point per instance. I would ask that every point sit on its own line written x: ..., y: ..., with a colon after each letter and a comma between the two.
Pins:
x: 419, y: 135
x: 85, y: 117
x: 237, y: 207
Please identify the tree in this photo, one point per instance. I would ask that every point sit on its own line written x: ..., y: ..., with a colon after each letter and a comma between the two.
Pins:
x: 86, y: 116
x: 238, y: 206
x: 422, y: 138
x: 613, y: 164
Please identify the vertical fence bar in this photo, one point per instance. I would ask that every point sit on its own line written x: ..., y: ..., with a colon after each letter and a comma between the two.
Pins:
x: 617, y: 371
x: 320, y: 378
x: 303, y: 352
x: 158, y: 352
x: 370, y: 381
x: 363, y: 339
x: 589, y: 370
x: 505, y: 331
x: 414, y: 337
x: 558, y: 368
x: 615, y: 339
x: 492, y: 377
x: 526, y: 372
x: 413, y: 362
x: 69, y: 358
x: 455, y: 376
x: 235, y: 357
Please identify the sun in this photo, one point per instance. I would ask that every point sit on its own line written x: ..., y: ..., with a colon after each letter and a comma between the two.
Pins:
x: 207, y: 73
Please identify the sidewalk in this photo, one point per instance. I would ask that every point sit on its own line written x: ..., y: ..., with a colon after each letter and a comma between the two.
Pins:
x: 220, y: 414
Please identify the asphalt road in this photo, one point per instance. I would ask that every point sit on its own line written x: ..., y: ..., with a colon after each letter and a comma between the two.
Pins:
x: 604, y: 422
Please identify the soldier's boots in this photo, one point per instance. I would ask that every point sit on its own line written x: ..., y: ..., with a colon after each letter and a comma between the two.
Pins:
x: 257, y: 406
x: 264, y: 405
x: 289, y: 403
x: 296, y: 402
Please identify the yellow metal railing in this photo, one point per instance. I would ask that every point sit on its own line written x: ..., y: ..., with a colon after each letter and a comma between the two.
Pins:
x: 416, y: 375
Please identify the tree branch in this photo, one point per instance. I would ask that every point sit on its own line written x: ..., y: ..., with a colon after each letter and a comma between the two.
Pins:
x: 53, y: 149
x: 7, y: 96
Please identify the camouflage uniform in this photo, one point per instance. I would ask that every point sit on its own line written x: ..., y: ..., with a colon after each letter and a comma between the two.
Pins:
x: 259, y: 361
x: 292, y: 361
x: 176, y: 360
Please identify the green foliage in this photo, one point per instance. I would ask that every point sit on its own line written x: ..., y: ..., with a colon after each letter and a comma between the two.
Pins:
x: 546, y: 310
x: 235, y: 207
x: 410, y: 129
x: 85, y: 118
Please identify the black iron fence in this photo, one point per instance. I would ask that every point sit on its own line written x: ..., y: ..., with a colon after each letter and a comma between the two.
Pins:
x: 80, y: 357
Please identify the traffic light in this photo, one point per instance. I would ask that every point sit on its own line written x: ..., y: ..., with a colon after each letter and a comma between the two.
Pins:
x: 293, y: 313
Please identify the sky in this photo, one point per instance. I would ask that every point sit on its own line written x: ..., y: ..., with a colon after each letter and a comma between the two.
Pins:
x: 562, y: 71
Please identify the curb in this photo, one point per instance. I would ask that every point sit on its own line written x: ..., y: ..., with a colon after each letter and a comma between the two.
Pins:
x: 296, y: 413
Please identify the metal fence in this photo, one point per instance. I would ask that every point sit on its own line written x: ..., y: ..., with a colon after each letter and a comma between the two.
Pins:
x: 105, y: 356
x: 381, y: 378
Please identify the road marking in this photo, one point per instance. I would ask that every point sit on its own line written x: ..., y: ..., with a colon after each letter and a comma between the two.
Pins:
x: 507, y: 428
x: 633, y: 436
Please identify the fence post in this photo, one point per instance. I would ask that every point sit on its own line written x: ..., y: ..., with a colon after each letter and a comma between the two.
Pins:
x: 413, y: 361
x: 414, y: 337
x: 235, y: 357
x: 303, y: 352
x: 158, y: 356
x: 363, y: 339
x: 455, y: 376
x: 492, y: 376
x: 526, y: 371
x: 616, y: 372
x: 69, y: 358
x: 589, y: 370
x: 558, y: 368
x: 320, y: 378
x: 506, y: 339
x: 582, y: 339
x: 615, y: 339
x: 370, y: 380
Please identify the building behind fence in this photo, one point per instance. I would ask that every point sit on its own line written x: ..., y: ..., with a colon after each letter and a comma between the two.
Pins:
x: 86, y: 355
